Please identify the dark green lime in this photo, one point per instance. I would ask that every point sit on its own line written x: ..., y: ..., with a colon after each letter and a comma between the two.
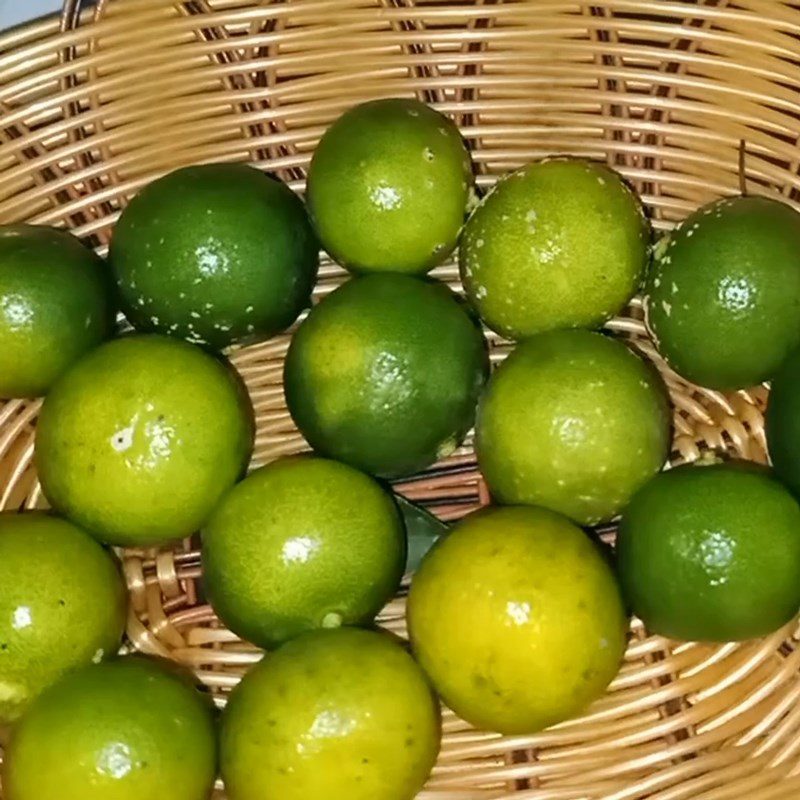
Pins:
x: 384, y: 374
x: 55, y: 305
x: 712, y: 553
x: 214, y: 254
x: 722, y: 299
x: 783, y: 422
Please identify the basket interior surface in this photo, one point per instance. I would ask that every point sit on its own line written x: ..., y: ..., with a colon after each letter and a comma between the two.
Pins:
x: 95, y: 106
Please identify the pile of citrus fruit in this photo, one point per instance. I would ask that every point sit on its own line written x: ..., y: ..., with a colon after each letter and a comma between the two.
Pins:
x: 517, y: 616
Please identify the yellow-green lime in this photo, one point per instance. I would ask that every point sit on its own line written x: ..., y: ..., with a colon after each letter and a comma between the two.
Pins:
x: 561, y: 243
x: 388, y: 187
x: 214, y: 253
x: 517, y: 618
x: 572, y: 421
x: 302, y: 543
x: 55, y: 305
x: 62, y: 604
x: 712, y: 553
x: 129, y: 729
x: 340, y: 715
x: 385, y: 373
x: 722, y: 299
x: 141, y: 438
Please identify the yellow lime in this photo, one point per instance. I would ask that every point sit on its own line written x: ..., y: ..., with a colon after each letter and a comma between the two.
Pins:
x: 340, y: 715
x: 517, y: 618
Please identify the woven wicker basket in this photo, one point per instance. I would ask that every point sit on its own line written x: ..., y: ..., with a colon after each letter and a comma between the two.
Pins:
x: 99, y: 104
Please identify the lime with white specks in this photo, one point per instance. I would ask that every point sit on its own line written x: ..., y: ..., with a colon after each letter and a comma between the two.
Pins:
x: 389, y: 186
x: 56, y: 303
x: 140, y: 439
x: 572, y: 421
x: 214, y: 254
x: 560, y: 243
x: 722, y: 299
x: 385, y: 373
x: 62, y: 604
x: 300, y: 544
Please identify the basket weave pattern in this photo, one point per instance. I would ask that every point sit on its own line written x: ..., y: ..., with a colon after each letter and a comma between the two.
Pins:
x: 113, y: 96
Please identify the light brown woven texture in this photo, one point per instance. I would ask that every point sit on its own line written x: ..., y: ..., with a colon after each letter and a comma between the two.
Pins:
x: 664, y: 91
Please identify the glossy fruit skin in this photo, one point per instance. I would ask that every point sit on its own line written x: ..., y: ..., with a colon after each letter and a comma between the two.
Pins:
x: 385, y: 373
x: 517, y: 619
x: 560, y: 243
x: 215, y: 254
x: 130, y: 729
x: 63, y: 604
x: 56, y: 303
x: 343, y: 714
x: 712, y: 553
x: 388, y: 187
x: 572, y: 421
x: 138, y: 441
x: 783, y: 422
x: 300, y: 544
x: 722, y: 298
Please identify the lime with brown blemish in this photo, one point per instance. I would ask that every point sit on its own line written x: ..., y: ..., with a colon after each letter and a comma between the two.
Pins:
x: 722, y: 299
x: 130, y: 729
x: 712, y: 553
x: 62, y: 604
x: 56, y: 303
x: 573, y: 421
x: 344, y: 715
x: 384, y: 374
x: 560, y: 243
x: 300, y: 544
x: 140, y: 439
x: 215, y: 254
x: 388, y: 187
x: 517, y: 618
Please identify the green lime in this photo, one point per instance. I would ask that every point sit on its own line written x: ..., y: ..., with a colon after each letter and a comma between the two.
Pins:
x: 62, y: 604
x: 783, y: 422
x: 561, y: 243
x: 388, y: 187
x: 141, y: 438
x: 300, y: 544
x: 517, y: 618
x: 722, y: 300
x: 712, y: 553
x: 575, y: 422
x: 214, y: 254
x: 384, y: 374
x: 55, y: 305
x: 340, y: 715
x: 128, y: 729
